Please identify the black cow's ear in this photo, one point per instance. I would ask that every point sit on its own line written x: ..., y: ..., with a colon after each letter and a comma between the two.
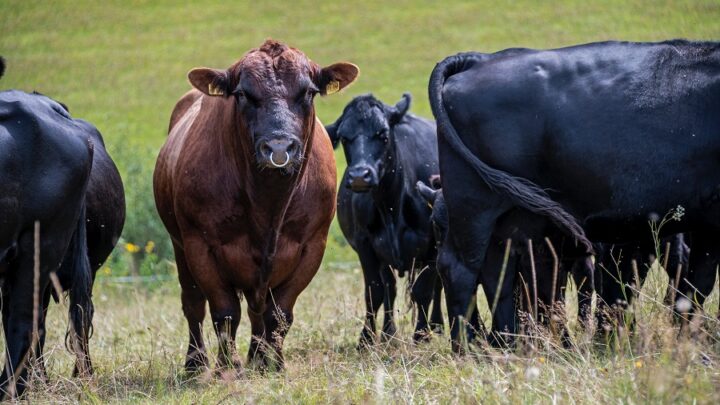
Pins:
x: 396, y: 113
x: 427, y: 193
x: 336, y: 77
x: 332, y: 133
x: 212, y: 82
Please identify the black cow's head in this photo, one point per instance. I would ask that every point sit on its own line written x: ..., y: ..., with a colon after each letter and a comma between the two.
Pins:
x: 365, y: 130
x: 274, y: 87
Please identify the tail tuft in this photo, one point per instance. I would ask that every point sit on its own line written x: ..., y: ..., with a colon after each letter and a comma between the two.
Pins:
x: 2, y: 66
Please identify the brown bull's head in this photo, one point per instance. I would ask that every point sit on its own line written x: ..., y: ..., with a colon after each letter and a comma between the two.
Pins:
x: 274, y: 87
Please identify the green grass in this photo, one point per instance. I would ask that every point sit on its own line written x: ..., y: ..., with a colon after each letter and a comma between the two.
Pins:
x: 123, y: 64
x: 140, y: 339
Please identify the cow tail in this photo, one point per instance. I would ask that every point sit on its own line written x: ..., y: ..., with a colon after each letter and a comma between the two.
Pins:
x: 2, y: 66
x: 521, y: 191
x: 81, y: 306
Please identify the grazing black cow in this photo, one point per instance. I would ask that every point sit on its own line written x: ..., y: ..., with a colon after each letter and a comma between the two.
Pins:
x: 610, y: 278
x: 45, y: 163
x: 380, y: 211
x: 548, y: 283
x: 439, y: 220
x: 614, y: 273
x: 598, y: 138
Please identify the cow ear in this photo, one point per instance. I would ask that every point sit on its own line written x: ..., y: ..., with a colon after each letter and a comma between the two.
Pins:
x: 212, y: 82
x: 336, y: 77
x: 332, y: 133
x: 396, y: 113
x: 427, y: 193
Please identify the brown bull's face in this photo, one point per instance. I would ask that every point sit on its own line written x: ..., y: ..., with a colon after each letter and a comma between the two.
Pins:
x: 274, y: 87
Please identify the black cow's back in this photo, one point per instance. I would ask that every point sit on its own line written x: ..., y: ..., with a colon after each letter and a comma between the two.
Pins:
x: 621, y: 121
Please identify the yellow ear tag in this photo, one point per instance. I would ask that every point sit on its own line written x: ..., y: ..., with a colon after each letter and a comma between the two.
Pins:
x: 215, y: 91
x: 332, y: 87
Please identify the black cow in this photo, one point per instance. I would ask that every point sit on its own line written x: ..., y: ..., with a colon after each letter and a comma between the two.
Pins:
x: 433, y: 195
x: 611, y: 278
x: 45, y: 163
x: 105, y: 214
x: 380, y: 211
x: 598, y: 138
x: 519, y: 283
x: 614, y: 274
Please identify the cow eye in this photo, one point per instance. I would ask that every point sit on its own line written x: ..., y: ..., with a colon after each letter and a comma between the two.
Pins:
x: 243, y: 95
x: 307, y: 95
x: 382, y: 134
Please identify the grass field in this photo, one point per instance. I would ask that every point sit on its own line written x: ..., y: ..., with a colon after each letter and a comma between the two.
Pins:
x: 123, y: 64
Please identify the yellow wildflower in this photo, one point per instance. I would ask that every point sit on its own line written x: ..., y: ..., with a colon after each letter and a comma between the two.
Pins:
x: 638, y: 364
x: 132, y: 248
x: 149, y: 247
x: 106, y: 270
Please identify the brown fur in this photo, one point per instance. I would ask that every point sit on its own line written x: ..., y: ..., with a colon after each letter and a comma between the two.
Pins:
x: 237, y: 228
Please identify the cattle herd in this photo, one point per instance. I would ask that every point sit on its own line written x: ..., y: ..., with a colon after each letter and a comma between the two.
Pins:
x: 591, y: 162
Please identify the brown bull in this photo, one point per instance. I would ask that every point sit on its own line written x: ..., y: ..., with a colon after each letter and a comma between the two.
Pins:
x: 245, y: 185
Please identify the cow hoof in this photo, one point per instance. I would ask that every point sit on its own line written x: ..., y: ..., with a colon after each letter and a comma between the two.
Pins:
x: 421, y: 336
x: 266, y: 364
x: 230, y: 373
x: 197, y: 363
x: 367, y: 340
x: 388, y: 333
x: 87, y: 370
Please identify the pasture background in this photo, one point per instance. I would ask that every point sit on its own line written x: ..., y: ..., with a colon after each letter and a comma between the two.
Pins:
x: 122, y: 65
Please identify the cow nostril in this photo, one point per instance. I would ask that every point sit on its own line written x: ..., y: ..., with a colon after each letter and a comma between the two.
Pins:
x: 266, y: 149
x: 366, y: 175
x: 292, y: 148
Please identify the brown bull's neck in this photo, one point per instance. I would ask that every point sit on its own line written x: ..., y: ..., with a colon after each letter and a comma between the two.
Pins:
x: 268, y: 192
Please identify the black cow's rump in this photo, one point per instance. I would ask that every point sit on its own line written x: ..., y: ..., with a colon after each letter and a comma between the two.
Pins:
x: 46, y: 158
x: 599, y: 138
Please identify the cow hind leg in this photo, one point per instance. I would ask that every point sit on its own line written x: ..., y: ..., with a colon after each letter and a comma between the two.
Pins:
x: 583, y: 276
x: 436, y: 317
x: 374, y: 296
x: 222, y: 298
x: 278, y: 316
x: 225, y: 314
x: 390, y: 291
x: 618, y: 288
x: 193, y: 305
x: 39, y: 360
x: 702, y: 271
x: 258, y: 349
x: 504, y: 316
x: 421, y: 293
x: 18, y: 327
x: 278, y: 319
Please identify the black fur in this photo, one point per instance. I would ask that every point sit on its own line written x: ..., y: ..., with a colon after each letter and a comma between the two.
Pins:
x: 575, y: 136
x: 381, y: 212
